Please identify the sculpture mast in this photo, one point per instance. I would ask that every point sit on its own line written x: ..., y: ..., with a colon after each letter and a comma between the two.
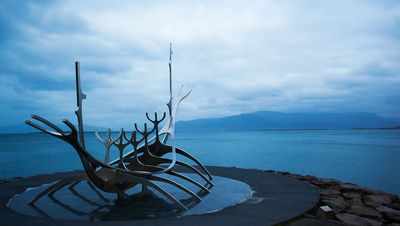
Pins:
x: 170, y: 94
x: 79, y: 97
x: 170, y: 80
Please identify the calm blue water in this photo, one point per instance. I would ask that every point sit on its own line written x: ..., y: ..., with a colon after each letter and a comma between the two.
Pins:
x: 366, y: 157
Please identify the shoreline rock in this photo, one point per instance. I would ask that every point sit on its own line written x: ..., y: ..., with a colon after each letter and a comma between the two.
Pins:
x: 355, y: 205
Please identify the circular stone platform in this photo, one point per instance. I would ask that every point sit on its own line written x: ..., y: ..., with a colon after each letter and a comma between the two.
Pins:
x: 276, y: 199
x: 84, y: 202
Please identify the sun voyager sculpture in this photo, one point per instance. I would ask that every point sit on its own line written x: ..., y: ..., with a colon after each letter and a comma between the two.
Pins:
x: 147, y: 156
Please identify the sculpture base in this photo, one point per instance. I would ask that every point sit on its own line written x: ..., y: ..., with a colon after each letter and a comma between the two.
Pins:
x: 275, y: 199
x: 82, y: 201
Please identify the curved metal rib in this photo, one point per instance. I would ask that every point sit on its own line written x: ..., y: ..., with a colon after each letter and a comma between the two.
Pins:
x: 50, y: 124
x: 166, y: 194
x: 138, y: 165
x: 196, y: 171
x: 190, y: 180
x: 183, y: 188
x: 187, y: 155
x: 162, y: 149
x: 56, y: 134
x: 107, y: 142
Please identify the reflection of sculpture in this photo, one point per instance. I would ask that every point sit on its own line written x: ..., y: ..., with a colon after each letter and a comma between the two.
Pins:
x: 144, y: 165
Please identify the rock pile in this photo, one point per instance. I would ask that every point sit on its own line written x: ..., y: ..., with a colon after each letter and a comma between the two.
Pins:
x: 354, y: 205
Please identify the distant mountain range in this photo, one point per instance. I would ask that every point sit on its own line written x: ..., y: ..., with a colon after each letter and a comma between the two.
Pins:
x: 268, y: 120
x: 265, y: 120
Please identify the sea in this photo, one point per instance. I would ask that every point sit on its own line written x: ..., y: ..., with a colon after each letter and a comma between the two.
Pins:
x: 369, y: 158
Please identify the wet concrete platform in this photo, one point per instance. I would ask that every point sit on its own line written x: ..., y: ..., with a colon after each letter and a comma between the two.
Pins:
x: 276, y: 199
x: 82, y: 201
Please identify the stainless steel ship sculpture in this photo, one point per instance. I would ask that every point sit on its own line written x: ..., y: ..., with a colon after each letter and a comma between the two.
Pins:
x: 144, y: 165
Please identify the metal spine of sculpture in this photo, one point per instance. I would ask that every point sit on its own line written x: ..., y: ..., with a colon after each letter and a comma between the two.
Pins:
x: 144, y: 165
x: 80, y: 96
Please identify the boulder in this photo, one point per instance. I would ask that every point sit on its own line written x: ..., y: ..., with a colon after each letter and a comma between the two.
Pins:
x: 329, y: 191
x: 350, y: 195
x: 355, y: 202
x: 324, y: 183
x: 390, y: 214
x: 309, y: 178
x: 364, y: 211
x: 337, y: 203
x: 347, y: 187
x: 376, y: 200
x: 283, y: 173
x: 350, y: 219
x: 393, y: 197
x: 394, y: 205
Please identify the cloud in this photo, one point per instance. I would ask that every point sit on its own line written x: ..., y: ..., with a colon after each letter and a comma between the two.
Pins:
x: 236, y: 56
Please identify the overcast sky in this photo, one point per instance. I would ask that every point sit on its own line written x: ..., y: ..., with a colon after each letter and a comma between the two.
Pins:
x: 236, y: 56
